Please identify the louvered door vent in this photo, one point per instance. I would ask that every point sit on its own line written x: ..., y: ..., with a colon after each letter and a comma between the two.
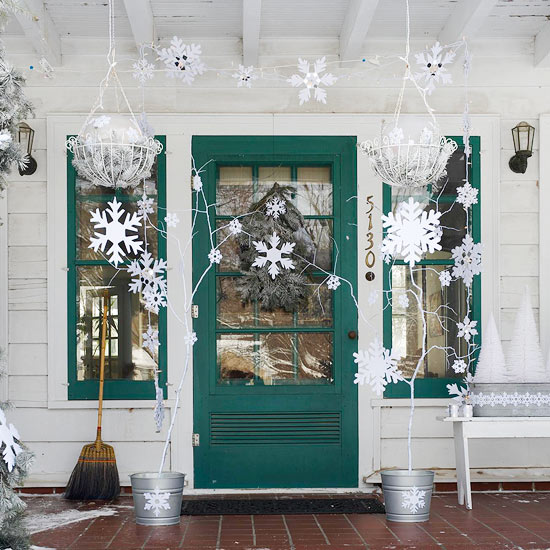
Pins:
x: 275, y: 428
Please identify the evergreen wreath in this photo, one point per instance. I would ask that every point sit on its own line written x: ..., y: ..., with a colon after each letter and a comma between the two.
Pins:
x: 288, y: 289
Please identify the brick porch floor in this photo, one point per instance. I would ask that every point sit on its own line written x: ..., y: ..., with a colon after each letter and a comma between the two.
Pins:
x: 498, y: 521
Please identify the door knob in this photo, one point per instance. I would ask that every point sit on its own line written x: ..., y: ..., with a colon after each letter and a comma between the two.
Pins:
x: 352, y: 335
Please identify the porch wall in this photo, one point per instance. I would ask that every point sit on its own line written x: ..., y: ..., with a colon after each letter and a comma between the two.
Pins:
x: 516, y: 91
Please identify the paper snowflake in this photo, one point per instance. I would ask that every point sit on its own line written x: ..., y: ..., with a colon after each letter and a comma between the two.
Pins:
x: 116, y: 232
x: 245, y: 76
x: 148, y: 274
x: 467, y: 195
x: 413, y: 499
x: 459, y: 366
x: 154, y: 300
x: 145, y: 205
x: 275, y: 207
x: 8, y: 440
x: 466, y: 329
x: 460, y: 393
x: 101, y: 121
x: 215, y: 256
x: 396, y: 135
x: 403, y: 301
x: 377, y: 366
x: 197, y: 183
x: 411, y: 232
x: 312, y: 80
x: 333, y: 282
x: 373, y: 297
x: 151, y: 339
x: 143, y: 70
x: 235, y: 226
x: 445, y: 278
x: 171, y: 220
x: 190, y: 338
x: 157, y: 501
x: 182, y: 60
x: 467, y: 259
x: 274, y: 255
x: 433, y: 68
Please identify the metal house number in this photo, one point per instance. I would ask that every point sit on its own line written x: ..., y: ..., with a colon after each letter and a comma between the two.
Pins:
x: 370, y: 258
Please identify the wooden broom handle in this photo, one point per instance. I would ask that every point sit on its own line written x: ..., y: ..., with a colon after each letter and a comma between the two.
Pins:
x: 102, y: 366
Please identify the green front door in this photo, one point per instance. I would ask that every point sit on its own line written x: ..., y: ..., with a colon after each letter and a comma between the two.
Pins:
x: 274, y: 400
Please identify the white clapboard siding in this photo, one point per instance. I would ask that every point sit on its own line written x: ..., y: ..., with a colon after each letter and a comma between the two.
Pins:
x: 28, y: 327
x: 27, y: 262
x: 28, y: 359
x: 28, y: 389
x: 519, y: 260
x: 26, y: 229
x: 519, y: 196
x: 511, y: 291
x: 25, y: 197
x: 519, y: 228
x: 27, y: 294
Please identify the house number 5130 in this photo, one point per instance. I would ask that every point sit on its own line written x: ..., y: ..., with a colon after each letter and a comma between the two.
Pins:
x: 370, y: 258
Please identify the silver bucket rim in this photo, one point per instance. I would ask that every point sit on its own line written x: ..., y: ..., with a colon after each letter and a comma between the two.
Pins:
x: 156, y: 475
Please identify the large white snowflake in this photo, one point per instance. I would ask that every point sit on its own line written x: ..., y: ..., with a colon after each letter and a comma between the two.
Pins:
x: 8, y: 437
x: 116, y: 232
x: 466, y: 329
x: 148, y: 274
x: 312, y: 80
x: 467, y: 259
x: 151, y: 339
x: 157, y: 501
x: 467, y: 195
x: 413, y: 499
x: 433, y: 68
x: 182, y: 60
x: 411, y: 232
x: 245, y: 76
x: 274, y: 255
x: 275, y: 207
x: 377, y: 366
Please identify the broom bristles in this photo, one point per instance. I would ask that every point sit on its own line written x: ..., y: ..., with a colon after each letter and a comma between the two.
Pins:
x: 95, y: 475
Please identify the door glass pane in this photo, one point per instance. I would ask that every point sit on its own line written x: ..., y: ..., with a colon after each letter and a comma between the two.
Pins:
x: 269, y: 175
x: 235, y: 190
x: 320, y: 233
x: 314, y: 190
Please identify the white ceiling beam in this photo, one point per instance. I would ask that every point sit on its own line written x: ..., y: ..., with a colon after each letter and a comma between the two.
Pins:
x: 465, y: 20
x: 252, y: 15
x: 40, y: 30
x: 355, y: 28
x: 542, y: 47
x: 142, y: 22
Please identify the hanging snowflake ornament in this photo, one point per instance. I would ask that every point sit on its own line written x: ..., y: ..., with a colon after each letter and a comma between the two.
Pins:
x: 118, y: 233
x: 312, y: 80
x: 245, y: 76
x: 413, y: 499
x: 145, y: 205
x: 157, y: 501
x: 197, y: 183
x: 467, y: 195
x: 143, y: 70
x: 275, y: 207
x: 333, y: 282
x: 171, y: 220
x: 182, y: 61
x: 148, y: 274
x: 403, y: 301
x: 411, y: 232
x: 466, y: 329
x: 445, y: 278
x: 377, y: 366
x: 235, y: 226
x: 151, y: 339
x: 215, y: 256
x: 190, y: 339
x: 467, y: 259
x: 433, y: 67
x: 154, y: 300
x: 9, y: 438
x: 461, y: 393
x: 459, y: 366
x: 273, y: 255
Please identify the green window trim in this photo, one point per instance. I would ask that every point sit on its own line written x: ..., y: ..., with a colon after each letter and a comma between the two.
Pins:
x: 113, y: 389
x: 436, y: 387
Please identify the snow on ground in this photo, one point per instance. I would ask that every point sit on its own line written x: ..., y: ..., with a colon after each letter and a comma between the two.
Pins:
x: 37, y: 523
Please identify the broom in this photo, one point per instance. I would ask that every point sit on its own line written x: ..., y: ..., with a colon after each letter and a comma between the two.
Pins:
x: 95, y: 475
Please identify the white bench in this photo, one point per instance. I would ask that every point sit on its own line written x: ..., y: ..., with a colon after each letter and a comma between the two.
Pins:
x: 488, y: 427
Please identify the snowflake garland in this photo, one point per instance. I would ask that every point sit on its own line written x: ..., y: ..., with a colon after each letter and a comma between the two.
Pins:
x: 377, y: 366
x: 154, y: 300
x: 513, y: 399
x: 333, y: 282
x: 312, y: 80
x: 148, y: 274
x: 433, y: 68
x: 145, y: 205
x: 467, y: 259
x: 411, y: 232
x: 182, y: 61
x: 413, y: 499
x: 151, y: 339
x: 171, y: 220
x: 143, y: 70
x: 275, y: 207
x: 116, y: 232
x: 245, y: 76
x: 8, y: 439
x: 445, y: 278
x: 467, y: 195
x: 215, y: 256
x: 273, y: 255
x: 466, y: 329
x: 157, y: 501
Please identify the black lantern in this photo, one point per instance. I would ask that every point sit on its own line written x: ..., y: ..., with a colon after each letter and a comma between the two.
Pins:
x: 523, y: 135
x: 25, y: 136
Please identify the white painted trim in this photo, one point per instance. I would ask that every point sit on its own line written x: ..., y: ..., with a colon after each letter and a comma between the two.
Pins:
x: 4, y: 298
x: 356, y: 25
x: 465, y: 20
x: 544, y: 232
x: 142, y: 22
x: 542, y: 47
x: 252, y: 21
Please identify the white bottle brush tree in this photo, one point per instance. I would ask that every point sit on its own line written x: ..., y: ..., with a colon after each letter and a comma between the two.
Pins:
x: 491, y: 365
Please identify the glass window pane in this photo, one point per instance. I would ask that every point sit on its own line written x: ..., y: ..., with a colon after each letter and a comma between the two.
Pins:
x: 269, y: 175
x: 229, y: 247
x: 235, y: 190
x: 231, y: 311
x: 125, y: 357
x: 320, y: 233
x: 314, y: 190
x: 456, y: 173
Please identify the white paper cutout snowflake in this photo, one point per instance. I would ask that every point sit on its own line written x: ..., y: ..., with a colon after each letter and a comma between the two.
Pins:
x: 459, y: 366
x: 403, y: 301
x: 467, y: 195
x: 396, y: 135
x: 467, y: 259
x: 445, y: 278
x: 182, y: 60
x: 245, y: 76
x: 143, y: 70
x: 411, y: 232
x: 413, y: 499
x: 466, y: 329
x: 235, y: 226
x: 373, y: 297
x: 333, y: 282
x: 101, y: 121
x: 151, y: 339
x: 215, y: 256
x: 433, y: 68
x: 117, y: 233
x: 197, y: 183
x: 148, y: 273
x: 312, y: 80
x: 171, y: 220
x: 133, y: 135
x: 157, y: 501
x: 8, y: 437
x: 154, y: 300
x: 459, y: 394
x: 274, y: 255
x: 145, y: 205
x: 190, y: 338
x: 158, y: 413
x: 377, y: 366
x: 275, y: 207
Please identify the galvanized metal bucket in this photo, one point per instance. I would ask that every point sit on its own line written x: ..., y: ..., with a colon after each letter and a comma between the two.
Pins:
x: 157, y: 498
x: 525, y: 399
x: 407, y: 495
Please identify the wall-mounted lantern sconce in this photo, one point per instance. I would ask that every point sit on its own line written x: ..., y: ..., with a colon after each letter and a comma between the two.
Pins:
x: 25, y: 136
x: 523, y: 135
